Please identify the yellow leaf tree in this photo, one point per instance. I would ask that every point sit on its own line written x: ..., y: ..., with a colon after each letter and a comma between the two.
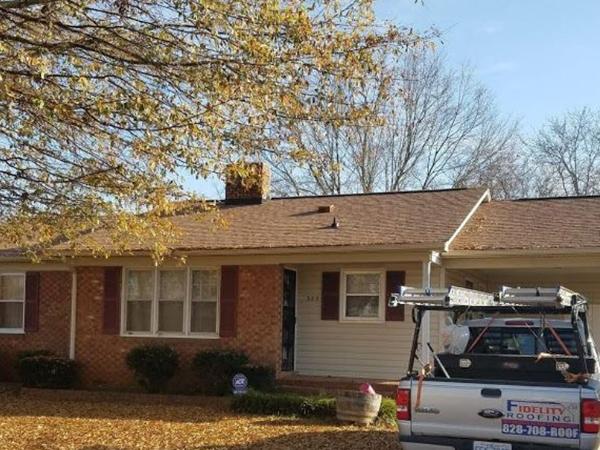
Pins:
x: 104, y: 104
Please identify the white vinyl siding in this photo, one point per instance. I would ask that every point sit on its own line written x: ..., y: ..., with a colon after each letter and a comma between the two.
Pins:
x: 359, y: 350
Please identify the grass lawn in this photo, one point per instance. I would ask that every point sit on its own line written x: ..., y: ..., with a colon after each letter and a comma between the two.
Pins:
x: 34, y: 424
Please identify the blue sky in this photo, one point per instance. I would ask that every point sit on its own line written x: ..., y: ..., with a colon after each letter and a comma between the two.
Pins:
x: 539, y: 57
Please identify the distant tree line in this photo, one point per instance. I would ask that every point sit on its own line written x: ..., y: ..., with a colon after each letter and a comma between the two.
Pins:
x: 434, y: 127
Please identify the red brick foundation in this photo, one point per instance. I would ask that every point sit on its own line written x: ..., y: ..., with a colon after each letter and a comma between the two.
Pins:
x: 53, y: 334
x: 101, y: 357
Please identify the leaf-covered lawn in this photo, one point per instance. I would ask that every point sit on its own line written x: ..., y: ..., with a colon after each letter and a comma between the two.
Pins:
x: 34, y: 424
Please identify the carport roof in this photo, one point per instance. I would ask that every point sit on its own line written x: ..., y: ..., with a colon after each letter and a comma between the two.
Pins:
x: 533, y: 224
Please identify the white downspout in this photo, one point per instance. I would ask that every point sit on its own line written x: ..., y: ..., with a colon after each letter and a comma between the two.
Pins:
x: 73, y: 323
x: 426, y: 321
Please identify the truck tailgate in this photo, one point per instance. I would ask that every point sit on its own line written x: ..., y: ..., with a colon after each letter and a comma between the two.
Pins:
x: 499, y: 412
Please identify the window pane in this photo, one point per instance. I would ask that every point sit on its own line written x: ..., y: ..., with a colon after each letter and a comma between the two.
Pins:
x: 138, y: 315
x: 204, y: 285
x: 204, y: 277
x: 362, y: 306
x: 362, y: 283
x: 205, y: 293
x: 12, y: 287
x: 172, y: 284
x: 170, y: 316
x: 11, y: 315
x: 204, y: 317
x: 140, y: 285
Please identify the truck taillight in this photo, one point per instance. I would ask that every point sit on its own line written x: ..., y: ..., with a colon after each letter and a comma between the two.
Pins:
x: 590, y: 416
x: 403, y: 404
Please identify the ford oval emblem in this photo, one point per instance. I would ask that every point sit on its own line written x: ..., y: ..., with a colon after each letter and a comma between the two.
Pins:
x: 491, y: 414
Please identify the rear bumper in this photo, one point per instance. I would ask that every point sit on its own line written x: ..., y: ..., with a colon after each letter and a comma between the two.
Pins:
x: 466, y: 444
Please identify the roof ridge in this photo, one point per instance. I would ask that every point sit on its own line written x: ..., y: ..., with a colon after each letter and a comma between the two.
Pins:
x: 563, y: 197
x: 364, y: 194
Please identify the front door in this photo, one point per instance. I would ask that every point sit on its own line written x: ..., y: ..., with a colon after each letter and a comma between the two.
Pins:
x: 288, y: 338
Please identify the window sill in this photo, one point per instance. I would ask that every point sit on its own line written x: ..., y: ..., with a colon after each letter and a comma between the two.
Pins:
x: 372, y: 321
x: 11, y: 331
x: 170, y: 336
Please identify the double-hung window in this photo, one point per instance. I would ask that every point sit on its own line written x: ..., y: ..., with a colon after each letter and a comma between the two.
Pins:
x: 362, y: 296
x: 12, y: 302
x: 171, y: 302
x: 139, y: 293
x: 204, y: 301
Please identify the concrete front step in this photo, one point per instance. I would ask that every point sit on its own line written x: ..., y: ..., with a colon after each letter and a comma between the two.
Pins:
x: 303, y: 384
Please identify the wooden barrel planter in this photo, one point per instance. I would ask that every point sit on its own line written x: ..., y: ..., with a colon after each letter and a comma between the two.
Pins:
x: 358, y: 407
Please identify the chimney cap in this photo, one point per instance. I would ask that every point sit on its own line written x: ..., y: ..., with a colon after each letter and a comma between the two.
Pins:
x: 326, y: 208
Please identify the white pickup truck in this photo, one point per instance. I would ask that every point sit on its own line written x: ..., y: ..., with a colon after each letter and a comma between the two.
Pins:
x: 509, y: 377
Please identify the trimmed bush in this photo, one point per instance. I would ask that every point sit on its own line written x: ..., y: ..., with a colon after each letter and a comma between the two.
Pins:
x: 153, y: 365
x: 284, y: 405
x: 29, y: 353
x: 260, y: 378
x: 47, y: 371
x: 299, y: 405
x: 319, y: 407
x: 216, y: 367
x: 387, y: 411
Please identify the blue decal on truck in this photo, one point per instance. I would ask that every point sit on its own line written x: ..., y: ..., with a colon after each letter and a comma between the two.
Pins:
x: 541, y: 419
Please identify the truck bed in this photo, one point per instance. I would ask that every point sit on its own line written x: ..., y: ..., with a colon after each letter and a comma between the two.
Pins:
x: 546, y: 414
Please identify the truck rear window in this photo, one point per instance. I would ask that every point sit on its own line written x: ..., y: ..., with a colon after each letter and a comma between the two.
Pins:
x: 521, y: 341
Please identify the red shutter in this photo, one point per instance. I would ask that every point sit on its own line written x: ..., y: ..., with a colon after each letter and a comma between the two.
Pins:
x: 112, y: 300
x: 32, y: 302
x: 392, y: 281
x: 330, y: 296
x: 229, y: 300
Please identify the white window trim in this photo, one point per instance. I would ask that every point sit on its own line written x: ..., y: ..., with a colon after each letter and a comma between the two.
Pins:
x: 22, y: 329
x: 187, y: 306
x: 381, y: 312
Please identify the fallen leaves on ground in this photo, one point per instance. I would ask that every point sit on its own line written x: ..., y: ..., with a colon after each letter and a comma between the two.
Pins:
x: 34, y: 424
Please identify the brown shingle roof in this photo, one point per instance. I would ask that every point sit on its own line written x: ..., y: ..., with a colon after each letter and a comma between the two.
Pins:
x: 409, y: 218
x: 569, y: 223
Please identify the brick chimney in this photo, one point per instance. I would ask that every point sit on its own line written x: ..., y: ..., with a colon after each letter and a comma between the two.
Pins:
x: 247, y: 183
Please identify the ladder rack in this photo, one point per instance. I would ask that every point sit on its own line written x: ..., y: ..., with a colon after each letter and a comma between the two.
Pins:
x: 553, y: 298
x: 452, y: 296
x: 559, y: 297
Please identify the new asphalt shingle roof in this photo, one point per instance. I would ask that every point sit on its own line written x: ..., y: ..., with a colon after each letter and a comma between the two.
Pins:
x: 409, y: 218
x: 555, y: 223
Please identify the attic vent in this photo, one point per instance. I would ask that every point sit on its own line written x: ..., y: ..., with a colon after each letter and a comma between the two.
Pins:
x: 326, y: 209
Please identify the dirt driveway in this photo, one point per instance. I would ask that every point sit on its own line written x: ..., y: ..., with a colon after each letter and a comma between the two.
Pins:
x: 34, y: 424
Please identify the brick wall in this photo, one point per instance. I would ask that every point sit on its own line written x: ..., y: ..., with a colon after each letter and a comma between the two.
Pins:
x: 102, y: 357
x: 252, y: 187
x: 53, y: 334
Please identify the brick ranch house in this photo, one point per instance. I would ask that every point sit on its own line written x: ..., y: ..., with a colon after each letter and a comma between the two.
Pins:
x: 300, y: 284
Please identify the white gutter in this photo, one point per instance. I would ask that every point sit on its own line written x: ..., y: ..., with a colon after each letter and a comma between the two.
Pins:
x: 73, y: 324
x: 501, y: 253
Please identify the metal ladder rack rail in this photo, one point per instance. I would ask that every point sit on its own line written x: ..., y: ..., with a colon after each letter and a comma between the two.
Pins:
x: 450, y: 297
x: 559, y: 296
x: 547, y: 298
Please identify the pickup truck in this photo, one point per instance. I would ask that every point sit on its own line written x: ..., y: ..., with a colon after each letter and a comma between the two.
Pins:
x: 509, y: 378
